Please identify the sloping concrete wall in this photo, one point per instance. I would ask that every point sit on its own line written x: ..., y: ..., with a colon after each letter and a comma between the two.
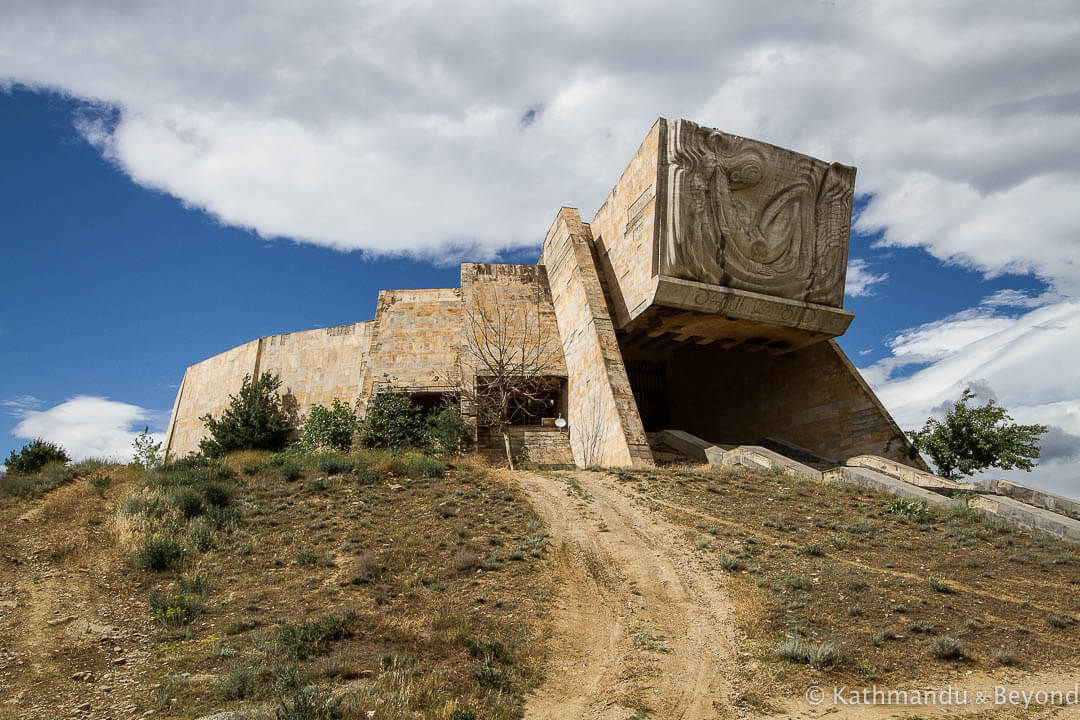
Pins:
x: 605, y: 428
x: 812, y: 397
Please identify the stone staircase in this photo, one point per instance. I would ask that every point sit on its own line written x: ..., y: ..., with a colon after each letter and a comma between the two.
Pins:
x: 1006, y: 501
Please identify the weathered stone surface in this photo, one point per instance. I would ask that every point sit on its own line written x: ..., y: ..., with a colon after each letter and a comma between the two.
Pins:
x: 904, y: 472
x: 757, y: 456
x: 692, y: 446
x: 745, y: 214
x: 1018, y: 514
x: 1032, y: 496
x: 605, y: 428
x: 865, y: 477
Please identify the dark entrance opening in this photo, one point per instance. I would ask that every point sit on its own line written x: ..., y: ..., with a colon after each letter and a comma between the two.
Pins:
x: 649, y: 383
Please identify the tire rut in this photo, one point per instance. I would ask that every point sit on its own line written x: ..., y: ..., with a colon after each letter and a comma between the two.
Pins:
x: 639, y: 622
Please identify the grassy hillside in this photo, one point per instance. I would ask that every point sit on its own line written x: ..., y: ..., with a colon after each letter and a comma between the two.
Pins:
x: 835, y: 583
x: 288, y: 585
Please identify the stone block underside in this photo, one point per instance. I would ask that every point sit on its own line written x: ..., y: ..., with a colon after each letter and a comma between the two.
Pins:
x: 734, y: 318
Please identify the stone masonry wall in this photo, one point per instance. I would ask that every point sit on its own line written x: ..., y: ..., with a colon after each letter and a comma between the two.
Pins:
x: 605, y: 427
x: 812, y: 397
x: 315, y: 366
x: 625, y: 232
x: 414, y: 340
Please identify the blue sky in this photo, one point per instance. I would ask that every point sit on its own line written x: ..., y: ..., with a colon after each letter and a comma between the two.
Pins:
x: 161, y: 204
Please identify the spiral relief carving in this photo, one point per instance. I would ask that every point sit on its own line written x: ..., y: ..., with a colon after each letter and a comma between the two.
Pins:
x: 756, y: 217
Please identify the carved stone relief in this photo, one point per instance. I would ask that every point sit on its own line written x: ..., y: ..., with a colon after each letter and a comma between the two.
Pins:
x: 749, y: 215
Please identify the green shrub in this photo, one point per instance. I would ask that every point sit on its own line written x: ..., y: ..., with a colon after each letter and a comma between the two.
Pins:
x: 291, y: 470
x: 172, y: 611
x: 423, y: 466
x: 51, y: 476
x: 238, y: 682
x: 367, y: 477
x: 159, y: 553
x: 946, y: 647
x: 915, y: 509
x: 394, y: 421
x: 217, y: 494
x: 189, y: 501
x: 34, y: 456
x: 100, y: 482
x: 819, y: 655
x: 329, y: 427
x: 146, y: 453
x: 334, y: 465
x: 940, y: 584
x: 305, y: 640
x: 308, y: 703
x: 446, y: 431
x: 254, y: 419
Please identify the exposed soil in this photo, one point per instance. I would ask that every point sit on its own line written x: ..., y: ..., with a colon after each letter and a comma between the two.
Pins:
x: 640, y: 625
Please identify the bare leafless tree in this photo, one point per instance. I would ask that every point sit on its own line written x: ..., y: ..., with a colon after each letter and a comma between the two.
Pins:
x: 506, y: 360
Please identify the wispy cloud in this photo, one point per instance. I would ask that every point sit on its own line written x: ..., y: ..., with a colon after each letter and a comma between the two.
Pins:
x: 87, y: 426
x: 860, y: 278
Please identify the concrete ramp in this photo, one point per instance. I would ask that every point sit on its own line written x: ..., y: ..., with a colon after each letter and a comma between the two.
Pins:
x: 1032, y: 496
x: 1018, y: 514
x: 908, y: 474
x: 746, y: 455
x: 874, y: 480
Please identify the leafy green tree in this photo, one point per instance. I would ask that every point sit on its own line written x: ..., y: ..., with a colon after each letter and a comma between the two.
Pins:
x: 147, y: 453
x: 394, y: 421
x: 331, y: 427
x: 254, y: 420
x: 35, y: 455
x: 973, y: 438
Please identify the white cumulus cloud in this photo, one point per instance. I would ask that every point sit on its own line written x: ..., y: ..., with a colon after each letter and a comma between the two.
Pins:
x: 1025, y: 362
x: 89, y: 427
x: 446, y: 130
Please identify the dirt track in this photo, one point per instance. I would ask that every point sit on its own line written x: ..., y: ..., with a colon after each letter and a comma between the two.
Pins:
x: 638, y: 622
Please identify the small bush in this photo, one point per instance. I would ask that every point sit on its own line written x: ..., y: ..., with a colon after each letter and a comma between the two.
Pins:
x: 333, y: 465
x: 291, y: 470
x: 159, y: 553
x: 492, y: 677
x: 731, y: 563
x: 813, y: 550
x: 175, y: 610
x: 201, y: 534
x: 34, y: 456
x: 238, y: 682
x: 419, y: 466
x: 819, y: 655
x: 309, y: 703
x: 466, y: 560
x: 217, y: 494
x: 394, y: 421
x: 100, y: 482
x: 915, y: 509
x: 946, y: 647
x: 254, y: 419
x: 331, y: 427
x: 367, y: 477
x: 312, y: 638
x: 1060, y: 621
x: 940, y: 584
x: 446, y: 431
x: 189, y: 501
